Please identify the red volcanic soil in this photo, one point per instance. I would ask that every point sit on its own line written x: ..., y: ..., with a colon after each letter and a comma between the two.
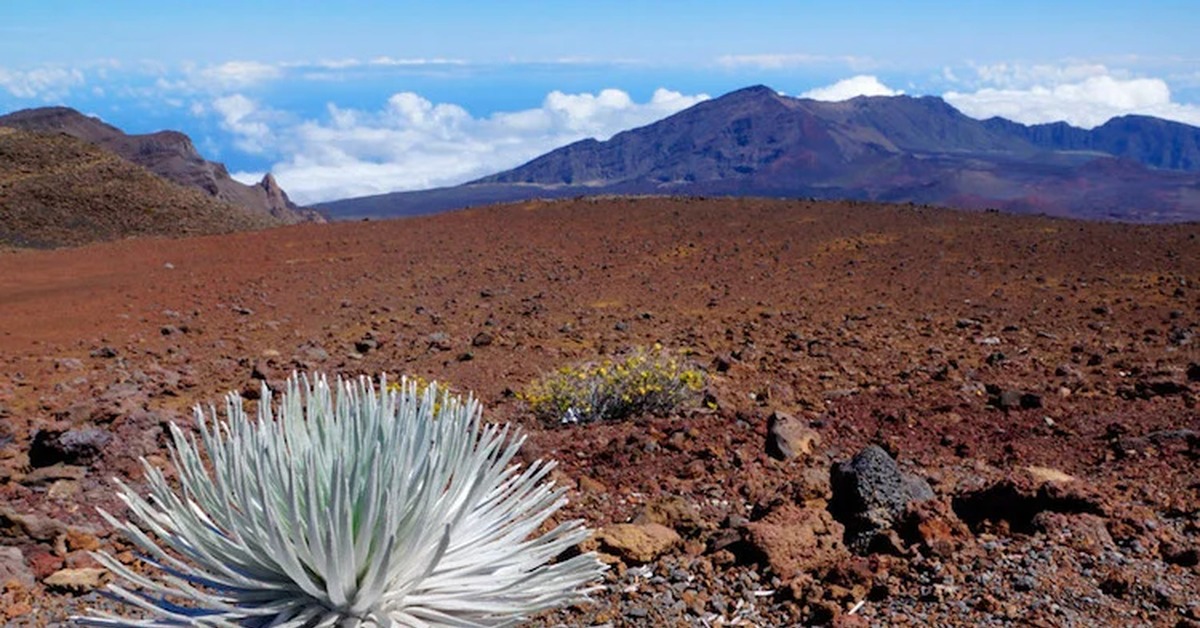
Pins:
x: 1041, y: 375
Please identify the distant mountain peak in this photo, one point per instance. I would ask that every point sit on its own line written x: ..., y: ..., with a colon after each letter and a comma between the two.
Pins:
x: 753, y: 90
x: 918, y: 149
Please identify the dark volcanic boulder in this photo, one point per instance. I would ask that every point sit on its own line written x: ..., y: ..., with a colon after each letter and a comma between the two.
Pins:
x: 870, y: 494
x: 76, y: 446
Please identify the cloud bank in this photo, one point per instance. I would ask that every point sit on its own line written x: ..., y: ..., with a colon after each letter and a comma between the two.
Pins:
x: 46, y: 83
x: 780, y: 61
x: 1083, y: 95
x: 861, y: 85
x: 413, y: 143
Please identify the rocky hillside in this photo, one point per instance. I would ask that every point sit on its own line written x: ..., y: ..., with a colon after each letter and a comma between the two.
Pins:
x: 57, y: 190
x: 170, y: 155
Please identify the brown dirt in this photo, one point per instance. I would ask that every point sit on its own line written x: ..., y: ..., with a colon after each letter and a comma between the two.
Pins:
x: 918, y: 329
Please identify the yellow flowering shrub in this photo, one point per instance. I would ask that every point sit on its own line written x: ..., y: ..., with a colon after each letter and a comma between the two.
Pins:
x: 421, y: 385
x: 647, y: 381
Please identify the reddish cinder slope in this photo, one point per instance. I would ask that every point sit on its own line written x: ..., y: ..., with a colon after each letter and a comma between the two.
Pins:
x: 905, y: 326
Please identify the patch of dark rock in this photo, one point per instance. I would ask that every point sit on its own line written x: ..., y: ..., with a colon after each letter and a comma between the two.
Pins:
x: 1161, y: 388
x: 721, y: 363
x: 1016, y: 504
x: 869, y: 494
x: 732, y: 538
x: 1177, y: 555
x: 439, y: 341
x: 1008, y: 399
x: 1117, y: 583
x: 260, y: 372
x: 76, y: 446
x: 1123, y: 446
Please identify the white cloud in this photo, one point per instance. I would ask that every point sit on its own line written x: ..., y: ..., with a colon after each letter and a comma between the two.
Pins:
x: 391, y: 61
x: 46, y: 83
x: 412, y: 143
x: 1024, y: 76
x: 862, y: 85
x: 244, y: 118
x: 237, y: 74
x: 778, y: 61
x: 1082, y: 95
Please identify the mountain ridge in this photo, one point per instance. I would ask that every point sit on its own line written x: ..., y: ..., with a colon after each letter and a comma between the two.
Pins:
x: 60, y: 190
x: 168, y: 154
x: 757, y: 142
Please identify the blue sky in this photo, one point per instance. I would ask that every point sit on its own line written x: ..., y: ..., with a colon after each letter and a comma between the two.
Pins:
x: 349, y: 98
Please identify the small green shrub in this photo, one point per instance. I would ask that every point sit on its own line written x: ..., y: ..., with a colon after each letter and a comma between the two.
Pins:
x: 647, y: 381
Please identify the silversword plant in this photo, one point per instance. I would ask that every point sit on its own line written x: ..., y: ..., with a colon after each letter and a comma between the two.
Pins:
x: 355, y: 506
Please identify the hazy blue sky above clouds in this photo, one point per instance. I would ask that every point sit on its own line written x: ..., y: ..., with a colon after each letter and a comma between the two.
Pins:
x: 349, y: 98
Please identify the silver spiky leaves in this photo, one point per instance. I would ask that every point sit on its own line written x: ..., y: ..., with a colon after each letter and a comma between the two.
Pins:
x: 355, y: 506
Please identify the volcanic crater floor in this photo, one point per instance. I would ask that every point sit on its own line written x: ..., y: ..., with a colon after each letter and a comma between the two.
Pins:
x: 1038, y: 376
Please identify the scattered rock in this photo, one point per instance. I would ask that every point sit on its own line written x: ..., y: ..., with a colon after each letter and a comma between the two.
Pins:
x: 1149, y: 389
x: 811, y: 485
x: 80, y: 580
x: 14, y: 568
x: 1123, y: 446
x: 36, y: 527
x: 76, y: 446
x: 57, y: 471
x: 366, y: 344
x: 1007, y: 399
x: 80, y: 539
x: 869, y: 495
x: 722, y: 363
x: 637, y: 543
x: 1183, y: 556
x: 1020, y: 496
x: 1041, y: 475
x: 43, y: 563
x: 674, y: 512
x: 482, y: 339
x: 591, y: 485
x: 261, y: 372
x: 795, y: 541
x: 788, y: 437
x: 933, y: 527
x: 1080, y: 531
x: 312, y: 354
x: 439, y: 340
